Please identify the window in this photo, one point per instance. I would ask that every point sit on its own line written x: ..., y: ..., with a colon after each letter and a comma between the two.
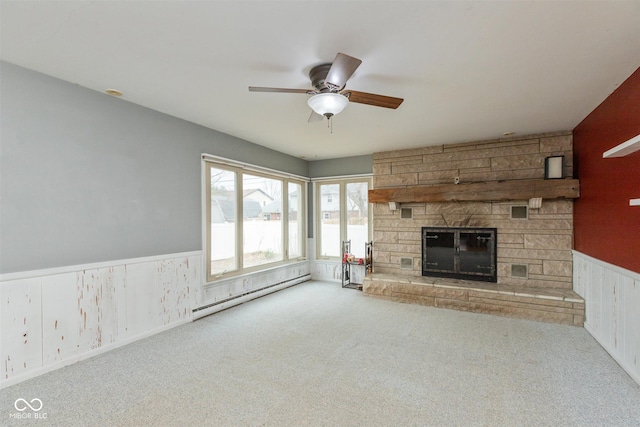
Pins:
x: 357, y: 212
x: 262, y: 222
x: 329, y: 236
x: 222, y: 221
x: 343, y: 212
x: 296, y: 222
x: 254, y: 219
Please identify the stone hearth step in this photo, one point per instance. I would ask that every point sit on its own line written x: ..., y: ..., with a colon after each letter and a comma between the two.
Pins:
x: 542, y: 304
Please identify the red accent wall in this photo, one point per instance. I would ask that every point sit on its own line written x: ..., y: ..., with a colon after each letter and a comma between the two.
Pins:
x: 605, y: 226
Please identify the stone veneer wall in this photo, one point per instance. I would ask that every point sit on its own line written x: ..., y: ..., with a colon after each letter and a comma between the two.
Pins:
x: 543, y: 242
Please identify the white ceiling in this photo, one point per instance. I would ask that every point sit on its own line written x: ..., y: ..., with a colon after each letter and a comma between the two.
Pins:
x: 467, y: 70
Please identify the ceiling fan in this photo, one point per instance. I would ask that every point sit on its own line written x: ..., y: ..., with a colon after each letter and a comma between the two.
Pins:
x: 330, y: 96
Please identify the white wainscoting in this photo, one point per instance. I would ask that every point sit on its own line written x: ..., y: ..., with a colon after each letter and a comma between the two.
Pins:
x: 612, y: 308
x: 52, y: 318
x: 326, y: 270
x: 236, y: 290
x: 55, y: 317
x: 330, y: 270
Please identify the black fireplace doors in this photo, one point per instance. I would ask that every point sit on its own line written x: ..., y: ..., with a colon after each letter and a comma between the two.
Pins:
x: 461, y: 253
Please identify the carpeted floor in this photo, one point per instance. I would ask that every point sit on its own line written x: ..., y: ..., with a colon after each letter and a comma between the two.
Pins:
x: 319, y: 355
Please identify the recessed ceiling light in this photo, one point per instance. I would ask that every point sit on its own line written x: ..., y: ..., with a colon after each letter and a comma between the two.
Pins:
x: 509, y: 133
x: 113, y: 92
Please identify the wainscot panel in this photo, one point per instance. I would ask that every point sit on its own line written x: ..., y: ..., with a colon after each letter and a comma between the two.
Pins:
x: 237, y: 290
x: 612, y: 298
x: 55, y: 317
x: 52, y: 318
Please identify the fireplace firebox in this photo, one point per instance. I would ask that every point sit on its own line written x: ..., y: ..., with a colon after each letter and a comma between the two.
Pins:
x: 460, y: 253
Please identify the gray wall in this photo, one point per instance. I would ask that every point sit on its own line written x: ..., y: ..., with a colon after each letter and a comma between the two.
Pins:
x: 356, y: 165
x: 85, y: 177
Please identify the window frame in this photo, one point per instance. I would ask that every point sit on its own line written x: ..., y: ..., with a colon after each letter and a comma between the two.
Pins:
x: 240, y: 169
x: 343, y: 209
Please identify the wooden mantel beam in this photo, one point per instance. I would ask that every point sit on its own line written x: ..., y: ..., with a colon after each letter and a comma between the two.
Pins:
x: 491, y: 191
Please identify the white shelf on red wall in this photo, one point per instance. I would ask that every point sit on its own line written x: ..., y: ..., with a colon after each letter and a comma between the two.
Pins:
x: 622, y: 150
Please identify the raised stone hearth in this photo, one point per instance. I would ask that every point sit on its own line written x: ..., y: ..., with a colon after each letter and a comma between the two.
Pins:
x: 542, y: 304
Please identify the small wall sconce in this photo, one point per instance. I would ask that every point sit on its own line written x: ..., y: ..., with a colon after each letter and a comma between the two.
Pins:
x: 535, y: 203
x: 554, y: 167
x: 394, y: 206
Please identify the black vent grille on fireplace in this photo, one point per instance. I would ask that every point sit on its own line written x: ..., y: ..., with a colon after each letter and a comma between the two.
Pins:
x: 460, y: 253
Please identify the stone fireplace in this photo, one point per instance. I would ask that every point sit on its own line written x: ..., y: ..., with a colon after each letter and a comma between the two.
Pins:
x: 534, y: 245
x: 469, y: 188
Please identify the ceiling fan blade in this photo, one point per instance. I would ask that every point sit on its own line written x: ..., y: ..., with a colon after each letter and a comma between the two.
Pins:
x: 279, y: 90
x: 315, y: 117
x: 373, y: 99
x: 341, y: 69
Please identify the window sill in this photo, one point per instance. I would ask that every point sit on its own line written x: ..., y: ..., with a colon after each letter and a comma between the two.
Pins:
x: 250, y: 273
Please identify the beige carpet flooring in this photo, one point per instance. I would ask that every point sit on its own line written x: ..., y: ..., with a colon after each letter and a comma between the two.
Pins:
x: 319, y: 355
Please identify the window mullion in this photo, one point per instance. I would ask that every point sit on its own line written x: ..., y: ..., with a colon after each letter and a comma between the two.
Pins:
x: 285, y: 219
x: 317, y: 221
x: 369, y: 213
x: 343, y: 211
x: 208, y: 219
x: 239, y: 220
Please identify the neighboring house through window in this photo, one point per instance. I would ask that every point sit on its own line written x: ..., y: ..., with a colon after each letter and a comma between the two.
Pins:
x: 343, y: 211
x: 262, y: 236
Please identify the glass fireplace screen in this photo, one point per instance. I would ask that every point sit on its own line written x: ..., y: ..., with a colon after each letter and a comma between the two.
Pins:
x: 460, y: 253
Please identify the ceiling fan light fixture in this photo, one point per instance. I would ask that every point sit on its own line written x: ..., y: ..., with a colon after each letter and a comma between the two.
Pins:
x: 328, y: 104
